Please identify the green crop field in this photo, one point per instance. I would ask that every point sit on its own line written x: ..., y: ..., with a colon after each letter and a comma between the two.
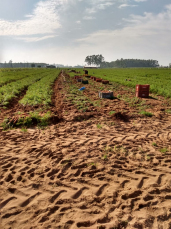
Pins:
x: 158, y: 79
x: 19, y: 83
x: 41, y: 91
x: 32, y: 89
x: 11, y: 75
x: 28, y: 92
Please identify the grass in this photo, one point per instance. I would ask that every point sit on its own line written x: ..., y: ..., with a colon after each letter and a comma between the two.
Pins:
x: 112, y: 112
x: 148, y: 114
x: 108, y: 149
x: 99, y: 126
x: 92, y: 164
x: 168, y: 111
x: 164, y: 150
x: 148, y: 158
x: 32, y: 118
x: 105, y: 157
x: 23, y: 129
x: 154, y: 144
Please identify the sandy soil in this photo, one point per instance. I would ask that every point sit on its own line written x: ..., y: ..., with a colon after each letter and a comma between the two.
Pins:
x: 92, y: 169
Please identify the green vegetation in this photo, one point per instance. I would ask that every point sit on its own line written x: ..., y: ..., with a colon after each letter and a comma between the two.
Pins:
x: 159, y: 79
x: 78, y: 98
x: 14, y: 75
x: 112, y: 112
x: 148, y: 157
x: 130, y: 63
x: 148, y: 114
x: 164, y: 150
x: 9, y: 91
x: 154, y: 144
x: 26, y: 121
x: 168, y: 111
x: 40, y: 92
x: 23, y: 129
x: 104, y: 157
x: 94, y: 59
x: 99, y: 126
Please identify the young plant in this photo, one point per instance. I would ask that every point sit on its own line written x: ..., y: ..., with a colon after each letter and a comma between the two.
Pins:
x: 148, y: 114
x: 105, y: 157
x: 112, y: 112
x: 154, y: 144
x: 24, y: 129
x: 99, y: 126
x: 164, y: 150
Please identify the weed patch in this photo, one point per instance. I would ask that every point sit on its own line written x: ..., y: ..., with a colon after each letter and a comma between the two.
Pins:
x: 145, y: 113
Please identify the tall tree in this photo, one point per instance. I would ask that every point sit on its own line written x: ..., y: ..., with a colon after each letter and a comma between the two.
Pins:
x: 94, y: 59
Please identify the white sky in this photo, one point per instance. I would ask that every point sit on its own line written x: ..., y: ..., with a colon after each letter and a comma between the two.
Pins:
x: 66, y: 31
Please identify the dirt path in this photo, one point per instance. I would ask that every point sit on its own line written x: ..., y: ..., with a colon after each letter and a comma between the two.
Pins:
x: 77, y: 174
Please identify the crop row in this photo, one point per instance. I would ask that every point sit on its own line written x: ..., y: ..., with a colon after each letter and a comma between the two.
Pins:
x: 14, y: 75
x: 158, y: 79
x: 9, y: 91
x: 40, y: 92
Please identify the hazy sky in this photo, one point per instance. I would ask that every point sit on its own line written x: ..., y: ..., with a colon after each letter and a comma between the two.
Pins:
x: 66, y: 31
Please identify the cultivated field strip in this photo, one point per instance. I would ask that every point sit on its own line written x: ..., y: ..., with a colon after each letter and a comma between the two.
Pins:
x: 18, y: 74
x: 62, y: 176
x: 40, y: 92
x: 159, y: 79
x: 9, y: 91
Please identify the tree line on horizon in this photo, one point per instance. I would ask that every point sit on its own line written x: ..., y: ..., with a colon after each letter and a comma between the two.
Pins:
x: 98, y: 60
x: 130, y: 63
x: 10, y: 64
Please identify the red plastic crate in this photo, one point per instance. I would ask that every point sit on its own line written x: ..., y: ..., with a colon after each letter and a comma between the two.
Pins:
x: 77, y: 77
x: 142, y: 94
x: 98, y: 80
x: 140, y: 87
x: 105, y: 81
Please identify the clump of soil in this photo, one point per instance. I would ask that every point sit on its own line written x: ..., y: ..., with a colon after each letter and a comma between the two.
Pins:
x: 82, y: 117
x: 120, y: 116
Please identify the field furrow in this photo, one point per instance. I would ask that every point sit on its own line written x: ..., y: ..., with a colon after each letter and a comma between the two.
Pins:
x: 103, y: 164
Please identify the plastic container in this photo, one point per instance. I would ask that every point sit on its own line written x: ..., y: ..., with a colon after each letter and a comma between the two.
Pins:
x: 140, y: 87
x: 79, y: 80
x: 105, y: 81
x: 85, y: 81
x: 106, y: 94
x: 142, y: 91
x: 82, y: 88
x: 98, y: 80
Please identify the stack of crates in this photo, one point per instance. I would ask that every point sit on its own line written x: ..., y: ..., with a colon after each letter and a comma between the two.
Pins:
x: 142, y: 91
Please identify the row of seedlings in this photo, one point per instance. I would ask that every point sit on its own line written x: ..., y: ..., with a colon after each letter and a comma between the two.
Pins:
x: 40, y: 92
x: 8, y: 77
x: 11, y: 90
